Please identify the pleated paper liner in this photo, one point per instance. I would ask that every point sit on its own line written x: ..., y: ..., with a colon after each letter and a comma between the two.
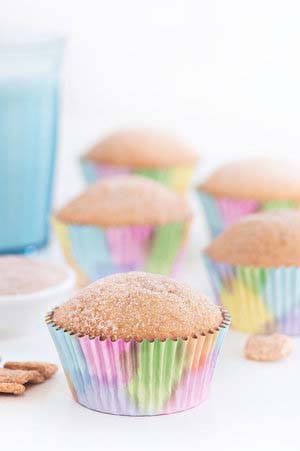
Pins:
x: 138, y: 378
x: 259, y: 300
x: 221, y: 212
x: 96, y: 252
x: 177, y: 178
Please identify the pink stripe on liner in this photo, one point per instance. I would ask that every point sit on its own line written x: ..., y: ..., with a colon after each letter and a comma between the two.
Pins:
x: 108, y: 171
x: 232, y: 210
x: 98, y: 356
x: 128, y: 245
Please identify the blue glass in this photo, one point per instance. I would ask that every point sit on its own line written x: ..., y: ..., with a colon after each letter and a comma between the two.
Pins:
x: 29, y: 99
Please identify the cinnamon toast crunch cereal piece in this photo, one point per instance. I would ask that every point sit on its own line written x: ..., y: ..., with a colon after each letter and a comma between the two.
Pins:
x: 267, y: 348
x: 12, y: 388
x: 45, y: 369
x: 20, y: 376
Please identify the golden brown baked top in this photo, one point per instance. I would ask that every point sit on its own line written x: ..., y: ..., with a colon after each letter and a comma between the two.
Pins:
x: 268, y: 239
x: 141, y: 149
x: 261, y: 179
x: 21, y: 275
x: 139, y: 306
x: 125, y: 200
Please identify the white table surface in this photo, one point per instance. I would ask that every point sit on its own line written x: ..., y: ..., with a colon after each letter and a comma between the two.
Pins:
x: 253, y: 406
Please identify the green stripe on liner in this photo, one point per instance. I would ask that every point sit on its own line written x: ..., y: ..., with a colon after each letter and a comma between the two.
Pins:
x: 160, y: 367
x: 163, y: 176
x: 279, y: 205
x: 167, y: 241
x: 253, y: 278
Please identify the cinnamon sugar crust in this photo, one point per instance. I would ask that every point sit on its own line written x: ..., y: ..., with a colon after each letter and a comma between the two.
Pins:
x: 267, y: 239
x: 138, y: 306
x: 125, y: 200
x: 141, y: 149
x: 261, y: 179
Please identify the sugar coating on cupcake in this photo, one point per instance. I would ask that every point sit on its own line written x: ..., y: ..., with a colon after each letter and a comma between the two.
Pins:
x: 21, y: 275
x: 267, y: 239
x: 138, y: 306
x: 141, y: 149
x: 261, y: 178
x: 125, y: 200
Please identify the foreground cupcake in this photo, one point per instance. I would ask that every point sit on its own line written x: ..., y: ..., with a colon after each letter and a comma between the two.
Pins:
x: 27, y: 288
x: 247, y: 186
x: 124, y: 223
x: 145, y: 152
x: 138, y: 344
x: 255, y: 270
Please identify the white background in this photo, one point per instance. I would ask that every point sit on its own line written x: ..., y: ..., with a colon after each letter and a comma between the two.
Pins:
x: 223, y: 75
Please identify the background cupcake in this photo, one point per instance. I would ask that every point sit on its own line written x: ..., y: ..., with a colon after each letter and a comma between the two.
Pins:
x: 247, y: 186
x: 255, y: 270
x: 145, y: 152
x: 124, y: 223
x: 138, y: 344
x: 28, y: 287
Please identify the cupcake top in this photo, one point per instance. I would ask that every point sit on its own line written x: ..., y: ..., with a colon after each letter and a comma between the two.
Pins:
x: 138, y: 306
x: 21, y: 275
x: 125, y: 200
x: 268, y: 239
x: 261, y: 179
x: 141, y: 149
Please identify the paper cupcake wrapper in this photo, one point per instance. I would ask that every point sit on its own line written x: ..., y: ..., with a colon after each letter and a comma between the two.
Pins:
x: 221, y: 212
x: 95, y: 252
x: 259, y: 300
x: 177, y: 178
x: 138, y: 378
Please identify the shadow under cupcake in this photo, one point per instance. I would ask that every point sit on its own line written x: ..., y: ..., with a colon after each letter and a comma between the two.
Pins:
x: 123, y: 224
x: 254, y: 267
x: 138, y: 344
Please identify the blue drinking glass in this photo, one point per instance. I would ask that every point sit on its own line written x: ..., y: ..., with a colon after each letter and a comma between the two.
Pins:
x: 29, y: 104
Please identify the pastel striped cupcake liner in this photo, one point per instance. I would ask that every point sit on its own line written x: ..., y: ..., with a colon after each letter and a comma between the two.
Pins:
x: 221, y: 212
x: 138, y: 378
x: 177, y: 178
x: 259, y: 300
x: 95, y: 252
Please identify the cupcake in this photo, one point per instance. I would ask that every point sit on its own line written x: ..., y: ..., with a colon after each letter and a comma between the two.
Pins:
x: 145, y: 152
x: 138, y: 344
x: 248, y: 186
x: 255, y: 271
x: 27, y: 288
x: 122, y: 224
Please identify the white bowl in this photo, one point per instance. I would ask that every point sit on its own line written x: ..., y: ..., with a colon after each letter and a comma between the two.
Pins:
x: 24, y: 314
